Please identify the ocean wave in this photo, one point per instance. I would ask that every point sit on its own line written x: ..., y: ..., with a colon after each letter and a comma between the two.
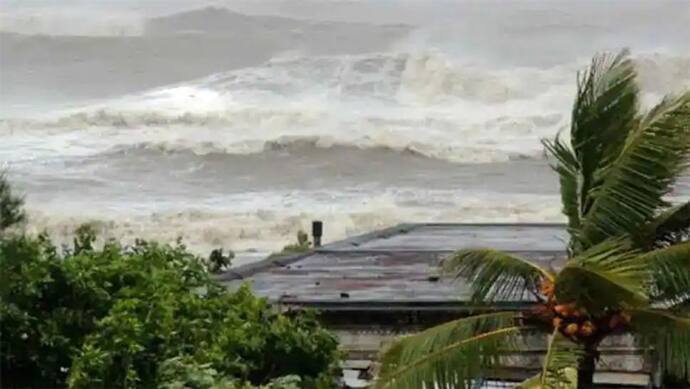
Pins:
x: 501, y: 139
x: 307, y: 145
x: 269, y: 227
x: 399, y: 84
x: 422, y: 103
x: 426, y: 103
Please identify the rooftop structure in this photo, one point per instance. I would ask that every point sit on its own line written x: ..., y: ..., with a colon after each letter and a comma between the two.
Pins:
x: 374, y: 287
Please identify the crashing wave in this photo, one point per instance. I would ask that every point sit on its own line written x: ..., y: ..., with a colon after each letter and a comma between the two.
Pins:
x: 423, y: 103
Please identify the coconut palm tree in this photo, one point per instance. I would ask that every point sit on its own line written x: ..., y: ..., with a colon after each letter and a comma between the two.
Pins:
x: 628, y: 258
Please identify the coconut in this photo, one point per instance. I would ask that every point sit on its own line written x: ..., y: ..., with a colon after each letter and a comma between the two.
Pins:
x: 587, y: 328
x: 571, y: 329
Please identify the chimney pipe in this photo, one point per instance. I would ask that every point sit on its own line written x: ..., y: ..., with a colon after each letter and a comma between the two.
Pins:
x: 317, y: 232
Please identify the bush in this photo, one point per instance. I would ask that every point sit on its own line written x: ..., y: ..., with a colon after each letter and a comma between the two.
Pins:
x: 302, y: 245
x: 217, y: 261
x: 148, y: 315
x: 183, y: 373
x: 11, y: 212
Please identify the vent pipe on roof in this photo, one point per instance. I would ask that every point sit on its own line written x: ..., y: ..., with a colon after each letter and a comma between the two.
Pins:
x: 317, y: 232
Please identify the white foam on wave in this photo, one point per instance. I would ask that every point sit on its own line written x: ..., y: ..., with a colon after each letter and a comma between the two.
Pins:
x: 427, y: 103
x: 255, y: 224
x: 265, y: 222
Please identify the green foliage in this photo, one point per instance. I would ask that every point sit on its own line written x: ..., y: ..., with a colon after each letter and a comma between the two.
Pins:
x: 451, y: 355
x: 568, y: 169
x: 186, y: 373
x: 604, y: 114
x: 620, y: 162
x: 669, y: 336
x: 302, y: 245
x: 217, y: 261
x: 559, y: 370
x: 633, y: 186
x: 610, y: 275
x: 495, y: 275
x: 670, y: 227
x: 670, y: 274
x: 119, y: 316
x: 11, y: 212
x: 84, y: 239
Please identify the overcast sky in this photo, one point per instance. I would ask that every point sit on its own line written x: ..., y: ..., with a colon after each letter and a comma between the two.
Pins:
x: 61, y: 15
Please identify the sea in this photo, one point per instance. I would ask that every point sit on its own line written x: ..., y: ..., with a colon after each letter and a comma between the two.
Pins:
x: 234, y: 124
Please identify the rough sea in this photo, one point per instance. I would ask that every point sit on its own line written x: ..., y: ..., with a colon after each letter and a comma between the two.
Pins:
x: 236, y: 123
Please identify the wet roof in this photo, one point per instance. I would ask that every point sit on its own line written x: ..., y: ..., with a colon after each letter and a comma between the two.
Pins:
x: 396, y: 269
x: 451, y: 237
x: 395, y: 266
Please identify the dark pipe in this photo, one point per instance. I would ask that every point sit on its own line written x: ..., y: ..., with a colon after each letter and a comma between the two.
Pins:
x: 317, y: 232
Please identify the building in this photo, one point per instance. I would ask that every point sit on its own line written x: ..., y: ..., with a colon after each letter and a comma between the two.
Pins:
x: 374, y: 287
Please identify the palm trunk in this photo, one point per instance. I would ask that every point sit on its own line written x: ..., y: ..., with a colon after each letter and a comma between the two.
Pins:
x: 585, y: 372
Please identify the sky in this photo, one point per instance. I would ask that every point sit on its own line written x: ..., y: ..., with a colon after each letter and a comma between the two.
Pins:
x: 93, y: 17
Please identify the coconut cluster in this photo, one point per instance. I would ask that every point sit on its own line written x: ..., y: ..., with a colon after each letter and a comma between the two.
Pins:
x: 575, y: 322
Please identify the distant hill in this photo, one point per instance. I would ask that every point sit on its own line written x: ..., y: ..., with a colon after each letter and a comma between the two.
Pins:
x: 174, y: 48
x: 217, y: 20
x: 221, y: 20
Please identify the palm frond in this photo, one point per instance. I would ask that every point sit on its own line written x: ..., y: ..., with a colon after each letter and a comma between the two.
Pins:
x: 634, y: 184
x: 609, y: 275
x: 562, y: 358
x: 604, y: 112
x: 671, y: 226
x: 496, y: 275
x: 451, y: 355
x: 668, y: 335
x: 568, y: 169
x: 559, y: 369
x: 670, y: 273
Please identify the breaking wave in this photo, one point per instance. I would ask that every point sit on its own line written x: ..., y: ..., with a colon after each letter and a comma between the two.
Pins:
x: 427, y: 104
x: 245, y: 157
x: 424, y: 103
x: 274, y: 223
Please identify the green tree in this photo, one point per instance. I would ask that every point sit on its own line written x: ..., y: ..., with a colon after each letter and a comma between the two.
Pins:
x: 146, y: 315
x: 628, y: 265
x: 185, y: 373
x: 11, y: 211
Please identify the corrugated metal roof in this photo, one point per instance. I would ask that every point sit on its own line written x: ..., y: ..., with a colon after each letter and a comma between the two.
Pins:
x: 364, y: 277
x: 451, y: 237
x: 394, y: 266
x: 396, y: 269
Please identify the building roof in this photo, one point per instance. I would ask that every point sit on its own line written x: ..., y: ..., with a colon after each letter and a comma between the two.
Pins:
x: 374, y: 287
x: 394, y: 267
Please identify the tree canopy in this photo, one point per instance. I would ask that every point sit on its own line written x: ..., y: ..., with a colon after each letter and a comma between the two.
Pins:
x: 11, y: 211
x: 145, y: 315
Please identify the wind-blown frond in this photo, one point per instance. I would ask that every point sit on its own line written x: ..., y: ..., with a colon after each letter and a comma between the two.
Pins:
x: 559, y: 369
x: 672, y: 226
x: 668, y: 335
x: 670, y: 273
x: 608, y: 275
x: 451, y: 355
x: 496, y: 275
x: 604, y: 112
x: 568, y: 169
x: 634, y: 184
